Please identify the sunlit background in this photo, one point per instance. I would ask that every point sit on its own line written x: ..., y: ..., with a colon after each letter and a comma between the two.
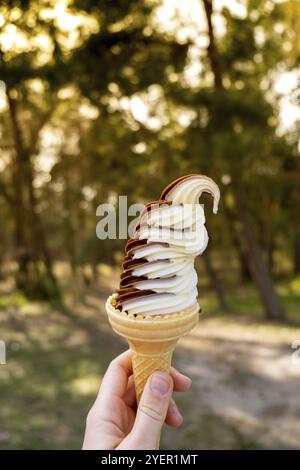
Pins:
x: 100, y: 98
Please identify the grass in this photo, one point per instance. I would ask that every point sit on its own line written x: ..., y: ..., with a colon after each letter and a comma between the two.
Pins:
x: 12, y: 300
x: 244, y: 301
x: 55, y: 362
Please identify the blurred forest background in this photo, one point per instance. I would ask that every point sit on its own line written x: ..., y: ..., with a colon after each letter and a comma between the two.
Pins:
x: 100, y: 98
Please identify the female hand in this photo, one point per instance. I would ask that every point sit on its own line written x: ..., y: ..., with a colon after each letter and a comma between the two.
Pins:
x: 115, y: 422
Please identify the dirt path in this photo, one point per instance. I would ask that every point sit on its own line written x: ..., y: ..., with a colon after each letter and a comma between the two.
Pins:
x: 245, y: 387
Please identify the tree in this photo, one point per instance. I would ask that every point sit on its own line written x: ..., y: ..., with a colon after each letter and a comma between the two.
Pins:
x: 256, y: 264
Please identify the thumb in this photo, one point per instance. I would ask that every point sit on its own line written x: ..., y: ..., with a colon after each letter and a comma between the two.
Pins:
x: 152, y: 411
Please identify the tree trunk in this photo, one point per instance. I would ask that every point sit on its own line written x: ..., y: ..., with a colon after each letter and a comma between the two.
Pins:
x: 212, y: 50
x: 267, y: 229
x: 69, y: 225
x: 296, y: 224
x: 245, y: 272
x: 95, y: 273
x: 23, y: 248
x: 30, y: 235
x: 38, y: 230
x: 270, y: 256
x: 231, y: 218
x: 259, y: 270
x: 296, y: 254
x: 215, y: 281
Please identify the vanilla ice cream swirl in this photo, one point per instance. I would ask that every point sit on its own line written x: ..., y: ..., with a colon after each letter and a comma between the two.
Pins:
x: 158, y: 276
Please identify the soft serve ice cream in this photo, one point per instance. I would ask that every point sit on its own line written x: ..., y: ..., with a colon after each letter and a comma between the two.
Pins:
x: 159, y: 276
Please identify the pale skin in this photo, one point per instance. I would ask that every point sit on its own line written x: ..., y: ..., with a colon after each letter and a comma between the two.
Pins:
x: 115, y: 422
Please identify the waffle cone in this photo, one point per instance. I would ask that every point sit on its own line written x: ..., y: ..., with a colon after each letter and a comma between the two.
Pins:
x: 152, y: 340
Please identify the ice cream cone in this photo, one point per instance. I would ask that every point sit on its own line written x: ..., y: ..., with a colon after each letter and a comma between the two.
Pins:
x: 156, y: 302
x: 151, y: 339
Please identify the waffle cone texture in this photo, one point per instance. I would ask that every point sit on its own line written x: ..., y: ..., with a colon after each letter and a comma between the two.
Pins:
x: 152, y: 340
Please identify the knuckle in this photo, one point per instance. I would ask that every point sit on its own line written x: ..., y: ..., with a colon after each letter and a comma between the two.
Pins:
x: 113, y: 363
x: 151, y: 412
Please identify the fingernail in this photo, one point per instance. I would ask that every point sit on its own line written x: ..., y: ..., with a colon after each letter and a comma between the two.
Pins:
x: 185, y: 377
x: 175, y: 413
x: 189, y: 381
x: 160, y: 384
x: 175, y: 410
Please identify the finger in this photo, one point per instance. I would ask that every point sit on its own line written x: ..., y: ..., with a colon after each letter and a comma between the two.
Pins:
x: 116, y: 377
x: 174, y: 417
x: 130, y: 397
x: 104, y: 409
x: 152, y: 411
x: 182, y: 383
